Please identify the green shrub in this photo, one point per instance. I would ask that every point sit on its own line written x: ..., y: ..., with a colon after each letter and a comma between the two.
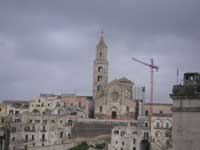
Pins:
x: 100, y: 146
x: 82, y: 146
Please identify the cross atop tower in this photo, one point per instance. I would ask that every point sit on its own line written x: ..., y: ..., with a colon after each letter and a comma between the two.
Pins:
x: 101, y: 43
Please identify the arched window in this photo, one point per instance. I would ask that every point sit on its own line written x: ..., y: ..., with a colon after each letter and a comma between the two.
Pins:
x: 157, y: 124
x: 167, y: 125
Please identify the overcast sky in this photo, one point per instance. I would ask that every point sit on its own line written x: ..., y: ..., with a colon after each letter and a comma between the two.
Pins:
x: 48, y: 46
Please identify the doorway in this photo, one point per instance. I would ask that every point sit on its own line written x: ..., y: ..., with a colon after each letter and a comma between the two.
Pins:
x: 114, y: 115
x: 144, y: 145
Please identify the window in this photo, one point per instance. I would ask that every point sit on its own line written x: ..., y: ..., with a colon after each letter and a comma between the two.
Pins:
x: 161, y: 112
x: 60, y: 121
x: 134, y: 140
x: 70, y: 122
x: 146, y: 113
x: 157, y: 124
x: 61, y: 134
x: 43, y: 137
x: 10, y: 111
x: 30, y: 121
x: 99, y: 88
x: 26, y: 137
x: 79, y: 104
x: 69, y: 135
x: 116, y: 142
x: 2, y: 120
x: 122, y: 142
x: 121, y: 148
x: 100, y: 69
x: 146, y: 124
x: 156, y: 135
x: 146, y: 135
x: 0, y: 109
x: 134, y: 148
x: 13, y: 139
x: 37, y: 121
x: 167, y: 134
x: 127, y: 108
x: 33, y: 128
x: 100, y: 54
x: 167, y: 125
x: 100, y: 108
x: 33, y: 137
x: 122, y: 133
x: 99, y: 78
x: 44, y: 129
x: 116, y: 132
x: 16, y: 112
x: 42, y: 105
x: 39, y: 101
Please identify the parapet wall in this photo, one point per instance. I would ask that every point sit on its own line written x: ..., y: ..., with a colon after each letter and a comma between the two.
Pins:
x: 92, y: 128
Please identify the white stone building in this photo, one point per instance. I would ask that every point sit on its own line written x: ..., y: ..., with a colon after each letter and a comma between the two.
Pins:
x: 132, y: 137
x: 161, y: 131
x: 38, y: 132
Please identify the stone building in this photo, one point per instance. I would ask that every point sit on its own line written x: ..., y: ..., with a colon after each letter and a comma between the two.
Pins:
x: 114, y: 99
x: 9, y: 108
x: 158, y: 108
x: 161, y: 131
x: 62, y: 104
x: 15, y: 106
x: 186, y: 113
x: 37, y: 132
x: 135, y: 136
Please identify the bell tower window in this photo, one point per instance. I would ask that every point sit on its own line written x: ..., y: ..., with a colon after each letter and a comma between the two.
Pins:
x: 100, y: 54
x: 100, y: 69
x: 99, y: 78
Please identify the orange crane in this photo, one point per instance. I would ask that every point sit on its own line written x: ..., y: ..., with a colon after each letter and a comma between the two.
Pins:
x: 152, y: 67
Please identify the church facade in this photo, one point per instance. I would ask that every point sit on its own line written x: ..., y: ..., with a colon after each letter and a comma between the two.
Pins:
x: 112, y: 100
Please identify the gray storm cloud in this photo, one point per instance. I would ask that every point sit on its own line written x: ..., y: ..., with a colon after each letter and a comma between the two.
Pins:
x: 49, y: 46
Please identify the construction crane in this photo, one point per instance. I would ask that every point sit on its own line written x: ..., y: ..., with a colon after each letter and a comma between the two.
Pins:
x: 152, y: 68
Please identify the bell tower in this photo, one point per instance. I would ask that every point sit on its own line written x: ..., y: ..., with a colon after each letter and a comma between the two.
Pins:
x: 100, y: 74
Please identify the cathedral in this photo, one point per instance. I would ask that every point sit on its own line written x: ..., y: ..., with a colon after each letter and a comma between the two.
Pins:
x: 113, y: 100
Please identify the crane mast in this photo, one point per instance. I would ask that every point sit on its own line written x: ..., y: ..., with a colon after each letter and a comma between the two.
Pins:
x: 152, y: 68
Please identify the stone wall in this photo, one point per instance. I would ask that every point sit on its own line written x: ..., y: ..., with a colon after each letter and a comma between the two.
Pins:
x: 93, y: 128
